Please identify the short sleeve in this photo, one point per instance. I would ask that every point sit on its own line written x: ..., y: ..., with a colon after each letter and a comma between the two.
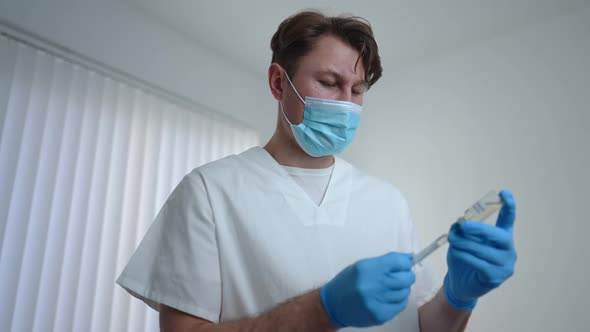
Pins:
x: 177, y: 262
x: 425, y: 287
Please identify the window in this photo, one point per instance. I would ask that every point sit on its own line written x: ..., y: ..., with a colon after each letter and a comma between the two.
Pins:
x: 86, y: 161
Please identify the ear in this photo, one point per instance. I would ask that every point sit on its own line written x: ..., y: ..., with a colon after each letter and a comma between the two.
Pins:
x: 275, y: 80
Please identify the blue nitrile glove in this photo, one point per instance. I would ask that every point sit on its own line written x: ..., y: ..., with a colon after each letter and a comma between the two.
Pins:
x: 480, y: 257
x: 369, y: 292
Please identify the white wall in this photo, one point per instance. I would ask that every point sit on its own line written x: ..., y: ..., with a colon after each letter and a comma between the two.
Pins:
x: 123, y: 37
x: 512, y: 112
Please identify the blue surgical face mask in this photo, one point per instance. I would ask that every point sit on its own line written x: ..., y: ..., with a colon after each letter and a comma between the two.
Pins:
x: 328, y: 126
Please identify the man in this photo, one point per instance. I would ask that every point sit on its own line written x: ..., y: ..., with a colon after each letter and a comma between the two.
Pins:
x: 289, y: 237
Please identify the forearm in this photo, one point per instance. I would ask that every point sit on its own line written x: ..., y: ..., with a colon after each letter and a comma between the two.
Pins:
x: 439, y: 315
x: 303, y: 313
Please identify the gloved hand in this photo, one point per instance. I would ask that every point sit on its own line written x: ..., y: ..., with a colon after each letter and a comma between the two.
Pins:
x: 480, y: 257
x: 369, y: 292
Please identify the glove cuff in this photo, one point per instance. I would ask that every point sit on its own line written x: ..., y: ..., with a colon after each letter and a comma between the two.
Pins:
x: 324, y: 298
x: 453, y: 301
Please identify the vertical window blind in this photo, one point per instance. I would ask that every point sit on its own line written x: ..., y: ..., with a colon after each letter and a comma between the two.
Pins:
x: 86, y: 162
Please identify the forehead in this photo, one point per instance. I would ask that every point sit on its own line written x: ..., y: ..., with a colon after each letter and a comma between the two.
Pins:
x: 331, y: 54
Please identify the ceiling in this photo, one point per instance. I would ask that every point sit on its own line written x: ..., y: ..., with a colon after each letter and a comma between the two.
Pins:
x: 407, y: 31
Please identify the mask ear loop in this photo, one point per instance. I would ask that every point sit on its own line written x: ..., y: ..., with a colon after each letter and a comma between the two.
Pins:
x: 293, y: 86
x: 298, y: 95
x: 284, y: 114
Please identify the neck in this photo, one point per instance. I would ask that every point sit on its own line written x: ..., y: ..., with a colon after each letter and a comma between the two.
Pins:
x: 287, y: 152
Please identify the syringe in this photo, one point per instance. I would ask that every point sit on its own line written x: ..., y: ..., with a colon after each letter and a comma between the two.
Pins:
x: 479, y: 211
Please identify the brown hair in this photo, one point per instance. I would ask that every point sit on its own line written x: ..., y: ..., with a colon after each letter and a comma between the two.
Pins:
x: 297, y: 35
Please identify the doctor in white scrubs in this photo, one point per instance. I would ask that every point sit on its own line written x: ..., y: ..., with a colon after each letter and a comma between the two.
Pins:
x: 288, y: 237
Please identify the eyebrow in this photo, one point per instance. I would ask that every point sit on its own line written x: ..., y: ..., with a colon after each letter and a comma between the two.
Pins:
x: 340, y: 77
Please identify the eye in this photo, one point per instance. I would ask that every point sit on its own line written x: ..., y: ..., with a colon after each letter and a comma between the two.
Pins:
x: 327, y: 84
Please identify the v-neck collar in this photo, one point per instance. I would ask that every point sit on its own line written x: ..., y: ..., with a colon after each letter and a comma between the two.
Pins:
x: 332, y: 210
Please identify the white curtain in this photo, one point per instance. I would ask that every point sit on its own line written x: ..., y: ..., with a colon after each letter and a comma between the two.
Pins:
x: 85, y: 164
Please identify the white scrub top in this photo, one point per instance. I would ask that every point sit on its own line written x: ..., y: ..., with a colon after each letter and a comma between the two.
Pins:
x: 239, y: 236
